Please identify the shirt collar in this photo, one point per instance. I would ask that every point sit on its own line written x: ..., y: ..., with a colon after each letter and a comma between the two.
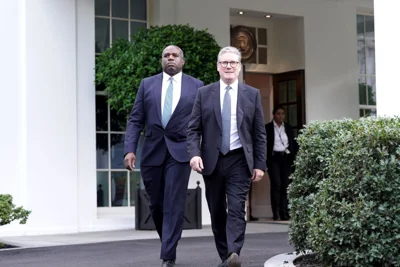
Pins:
x: 234, y: 85
x: 283, y: 124
x: 177, y: 77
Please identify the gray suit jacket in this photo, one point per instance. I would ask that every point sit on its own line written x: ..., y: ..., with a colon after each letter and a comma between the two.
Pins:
x: 205, y: 125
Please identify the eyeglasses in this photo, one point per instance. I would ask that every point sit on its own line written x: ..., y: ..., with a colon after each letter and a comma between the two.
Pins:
x: 232, y: 63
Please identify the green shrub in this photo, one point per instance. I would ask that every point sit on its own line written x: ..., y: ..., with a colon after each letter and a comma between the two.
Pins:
x: 10, y: 213
x: 121, y: 68
x: 352, y: 213
x: 311, y: 163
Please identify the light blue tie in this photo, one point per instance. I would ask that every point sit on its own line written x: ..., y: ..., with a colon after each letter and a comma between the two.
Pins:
x: 167, y: 109
x: 226, y: 122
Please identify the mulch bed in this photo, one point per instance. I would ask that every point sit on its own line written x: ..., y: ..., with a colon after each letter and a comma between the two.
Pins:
x: 3, y: 246
x: 308, y: 260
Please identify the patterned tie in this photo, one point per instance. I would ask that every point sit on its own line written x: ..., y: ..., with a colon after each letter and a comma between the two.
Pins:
x: 167, y: 109
x: 226, y: 122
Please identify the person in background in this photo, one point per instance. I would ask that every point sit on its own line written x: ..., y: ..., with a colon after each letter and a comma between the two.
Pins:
x: 281, y: 152
x: 163, y: 105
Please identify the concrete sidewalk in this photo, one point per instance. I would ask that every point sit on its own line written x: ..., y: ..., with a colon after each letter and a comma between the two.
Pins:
x: 261, y: 227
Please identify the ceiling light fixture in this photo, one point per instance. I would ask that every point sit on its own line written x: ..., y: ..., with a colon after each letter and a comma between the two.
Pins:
x: 268, y: 16
x: 241, y: 12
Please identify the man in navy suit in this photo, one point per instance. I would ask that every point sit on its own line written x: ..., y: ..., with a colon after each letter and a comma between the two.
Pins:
x: 226, y: 143
x: 163, y: 105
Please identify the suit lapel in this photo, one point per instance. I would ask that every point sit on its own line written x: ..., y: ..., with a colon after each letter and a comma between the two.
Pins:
x: 240, y: 104
x: 157, y: 93
x: 217, y: 103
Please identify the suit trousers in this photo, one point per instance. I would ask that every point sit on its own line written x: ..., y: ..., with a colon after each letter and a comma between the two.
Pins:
x: 166, y: 186
x: 279, y: 171
x: 226, y: 189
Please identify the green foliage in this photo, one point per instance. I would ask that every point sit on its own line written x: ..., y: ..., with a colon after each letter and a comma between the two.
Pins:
x: 121, y: 68
x: 345, y: 192
x: 9, y: 213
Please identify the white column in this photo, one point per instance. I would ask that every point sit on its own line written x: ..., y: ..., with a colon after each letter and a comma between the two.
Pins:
x: 51, y: 116
x: 12, y: 115
x: 87, y: 205
x: 387, y: 56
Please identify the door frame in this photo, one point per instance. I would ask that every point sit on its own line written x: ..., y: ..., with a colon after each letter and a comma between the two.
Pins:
x: 299, y: 76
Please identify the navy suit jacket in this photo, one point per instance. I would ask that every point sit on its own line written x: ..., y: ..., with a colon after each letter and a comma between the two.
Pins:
x: 146, y: 112
x: 206, y: 126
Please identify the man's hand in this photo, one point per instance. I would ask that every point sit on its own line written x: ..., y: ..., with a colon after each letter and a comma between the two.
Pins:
x: 197, y: 164
x: 257, y: 175
x: 129, y: 161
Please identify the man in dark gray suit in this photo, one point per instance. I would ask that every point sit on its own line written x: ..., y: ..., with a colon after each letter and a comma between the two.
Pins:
x: 163, y: 104
x: 228, y: 119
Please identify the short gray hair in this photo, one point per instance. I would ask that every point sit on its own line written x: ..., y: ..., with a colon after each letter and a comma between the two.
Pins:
x: 230, y: 49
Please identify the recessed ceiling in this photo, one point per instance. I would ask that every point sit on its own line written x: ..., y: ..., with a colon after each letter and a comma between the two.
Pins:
x: 258, y: 14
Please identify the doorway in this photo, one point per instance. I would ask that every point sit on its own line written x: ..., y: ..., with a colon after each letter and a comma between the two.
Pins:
x: 287, y: 90
x: 259, y: 204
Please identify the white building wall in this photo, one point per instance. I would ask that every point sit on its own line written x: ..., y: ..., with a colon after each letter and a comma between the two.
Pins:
x: 48, y: 138
x: 387, y: 57
x: 330, y: 46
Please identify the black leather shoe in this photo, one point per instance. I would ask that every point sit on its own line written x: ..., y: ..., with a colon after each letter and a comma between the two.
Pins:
x: 222, y: 264
x: 233, y: 261
x: 168, y: 263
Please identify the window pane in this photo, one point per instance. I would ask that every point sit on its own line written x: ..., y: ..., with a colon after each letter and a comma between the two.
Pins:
x: 103, y: 188
x: 361, y: 113
x: 120, y: 8
x: 262, y: 36
x: 369, y: 30
x: 292, y: 116
x: 102, y: 151
x: 135, y: 26
x: 360, y: 27
x: 118, y: 122
x: 102, y: 34
x: 370, y: 112
x: 282, y: 92
x: 138, y: 9
x: 102, y: 7
x: 135, y: 178
x: 292, y: 91
x: 370, y: 60
x: 120, y: 29
x: 262, y: 55
x: 371, y: 86
x: 369, y: 25
x: 119, y: 189
x: 361, y: 58
x: 101, y: 113
x: 117, y: 151
x: 362, y: 91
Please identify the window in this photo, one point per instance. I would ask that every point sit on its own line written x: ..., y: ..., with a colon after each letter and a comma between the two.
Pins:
x: 116, y: 186
x: 366, y: 65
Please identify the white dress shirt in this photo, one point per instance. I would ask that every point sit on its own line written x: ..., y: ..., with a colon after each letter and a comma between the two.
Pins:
x: 234, y: 139
x: 177, y: 84
x: 281, y: 140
